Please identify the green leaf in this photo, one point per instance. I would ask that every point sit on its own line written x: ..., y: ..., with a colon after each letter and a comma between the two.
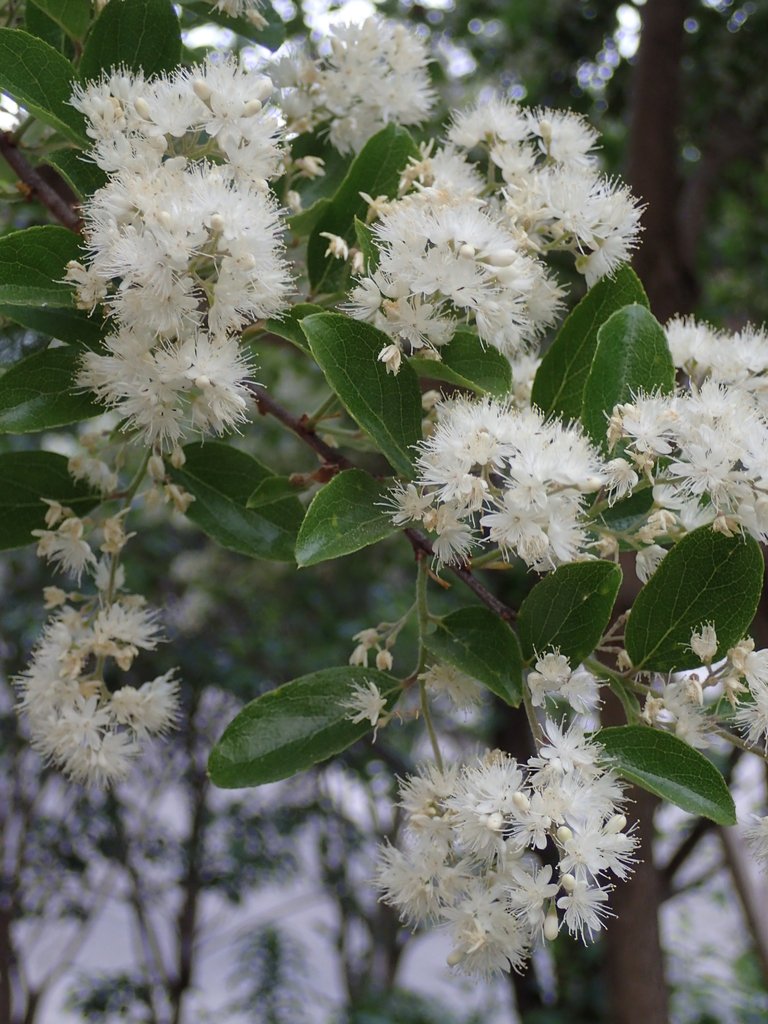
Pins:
x: 289, y: 326
x: 70, y: 325
x: 668, y: 767
x: 270, y: 490
x: 366, y: 244
x: 569, y: 609
x: 40, y: 393
x: 222, y: 478
x: 386, y: 406
x: 632, y: 354
x: 345, y: 516
x: 705, y: 577
x: 376, y: 170
x: 25, y: 479
x: 141, y: 35
x: 478, y: 643
x: 560, y: 380
x: 271, y: 36
x: 82, y: 175
x: 39, y: 78
x: 303, y: 223
x: 466, y: 362
x: 629, y: 513
x: 33, y: 263
x: 38, y: 24
x: 74, y: 16
x: 293, y: 727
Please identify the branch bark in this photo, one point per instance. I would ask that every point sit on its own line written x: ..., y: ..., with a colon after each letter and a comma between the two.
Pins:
x: 38, y: 186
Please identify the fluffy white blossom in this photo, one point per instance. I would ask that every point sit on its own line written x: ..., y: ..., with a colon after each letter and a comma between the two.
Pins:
x: 369, y: 75
x: 521, y: 478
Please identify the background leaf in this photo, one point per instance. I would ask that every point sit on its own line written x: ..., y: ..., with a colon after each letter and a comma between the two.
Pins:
x: 560, y: 380
x: 39, y: 78
x: 222, y: 478
x: 345, y: 516
x: 40, y: 393
x: 74, y: 16
x: 569, y: 609
x: 477, y: 642
x: 632, y: 354
x: 70, y: 325
x: 376, y: 170
x: 25, y: 479
x: 293, y: 727
x: 141, y: 35
x: 386, y: 406
x: 466, y: 362
x: 668, y: 767
x: 705, y: 577
x: 32, y: 264
x: 289, y: 326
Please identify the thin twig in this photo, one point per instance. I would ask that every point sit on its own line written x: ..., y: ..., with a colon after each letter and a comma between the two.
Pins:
x: 420, y: 544
x: 37, y: 184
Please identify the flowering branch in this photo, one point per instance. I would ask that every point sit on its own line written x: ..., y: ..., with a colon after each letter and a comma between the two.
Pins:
x: 420, y: 544
x: 37, y: 186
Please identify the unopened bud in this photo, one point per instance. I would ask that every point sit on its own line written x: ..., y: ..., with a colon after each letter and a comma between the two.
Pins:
x: 551, y: 927
x: 142, y: 108
x: 568, y: 882
x: 384, y: 661
x: 202, y: 90
x: 615, y: 824
x: 495, y: 821
x: 564, y: 834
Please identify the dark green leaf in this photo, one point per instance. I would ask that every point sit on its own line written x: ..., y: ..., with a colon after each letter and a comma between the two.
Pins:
x: 569, y: 609
x: 466, y: 362
x: 632, y: 355
x: 222, y: 478
x: 293, y: 727
x: 367, y: 246
x: 304, y: 222
x: 141, y: 35
x: 81, y: 174
x: 289, y: 326
x: 270, y: 490
x: 629, y: 513
x: 70, y: 325
x: 375, y: 170
x: 25, y: 479
x: 345, y: 516
x: 668, y: 767
x: 38, y: 24
x: 40, y: 393
x: 706, y: 577
x: 562, y: 376
x: 17, y: 342
x: 74, y: 16
x: 33, y: 263
x: 478, y: 643
x: 40, y: 79
x: 386, y: 406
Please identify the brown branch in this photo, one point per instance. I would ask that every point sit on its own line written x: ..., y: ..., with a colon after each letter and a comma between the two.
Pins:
x: 420, y: 544
x: 37, y: 186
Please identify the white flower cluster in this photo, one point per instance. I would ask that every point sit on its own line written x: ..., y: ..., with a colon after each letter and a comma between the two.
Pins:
x: 521, y: 479
x: 475, y: 839
x: 552, y: 195
x: 371, y: 74
x: 184, y: 242
x: 553, y: 679
x: 249, y: 9
x: 76, y: 721
x: 444, y: 263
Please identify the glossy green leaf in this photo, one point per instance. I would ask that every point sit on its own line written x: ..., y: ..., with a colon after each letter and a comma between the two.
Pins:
x: 32, y: 264
x: 478, y: 643
x: 629, y: 513
x: 40, y: 25
x: 375, y: 170
x: 74, y: 16
x: 668, y: 767
x: 562, y: 376
x: 222, y: 478
x: 270, y: 490
x: 141, y: 35
x: 289, y: 326
x: 385, y: 405
x: 467, y: 363
x: 632, y: 354
x: 364, y: 239
x: 569, y: 609
x: 705, y: 577
x: 70, y: 325
x: 293, y: 727
x: 40, y: 393
x: 39, y: 78
x: 345, y: 516
x: 25, y: 479
x: 81, y: 174
x: 304, y: 222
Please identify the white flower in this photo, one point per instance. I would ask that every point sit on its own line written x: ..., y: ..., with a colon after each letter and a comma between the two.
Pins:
x: 756, y: 836
x: 704, y: 642
x: 461, y: 689
x: 486, y: 937
x: 365, y: 703
x: 585, y: 909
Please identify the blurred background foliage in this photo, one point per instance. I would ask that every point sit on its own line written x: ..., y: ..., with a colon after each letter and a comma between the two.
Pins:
x: 204, y: 884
